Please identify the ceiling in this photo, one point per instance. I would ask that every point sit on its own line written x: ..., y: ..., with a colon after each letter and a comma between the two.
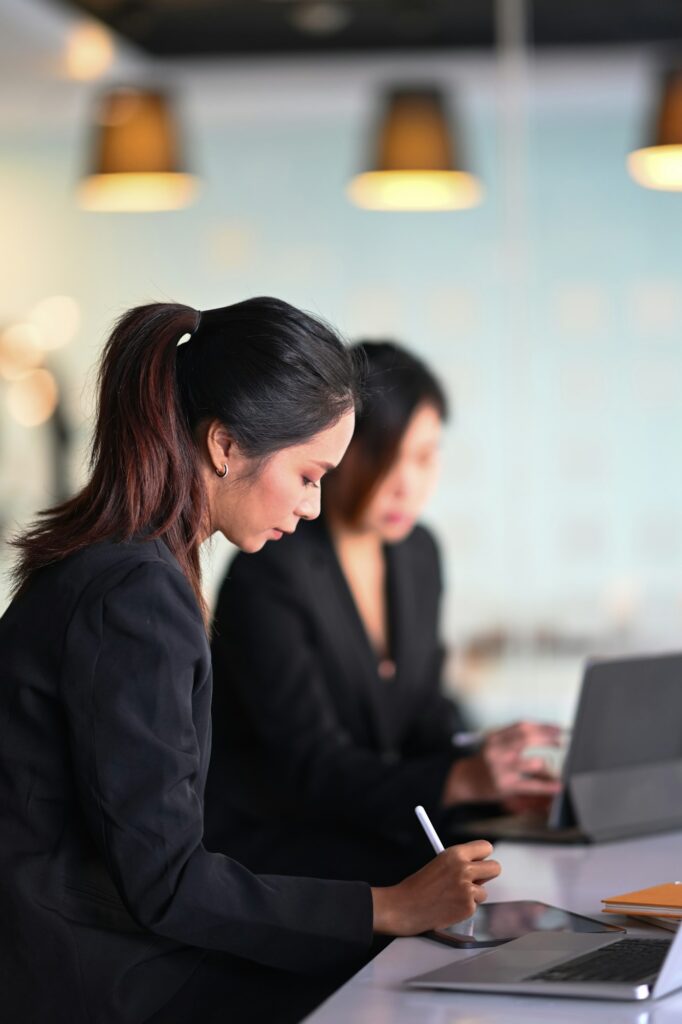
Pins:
x: 186, y: 28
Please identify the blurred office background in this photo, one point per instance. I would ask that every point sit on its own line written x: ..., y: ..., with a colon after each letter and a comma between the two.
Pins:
x: 552, y: 309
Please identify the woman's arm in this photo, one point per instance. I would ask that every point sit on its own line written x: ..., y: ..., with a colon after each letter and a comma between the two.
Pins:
x: 134, y: 669
x: 135, y: 687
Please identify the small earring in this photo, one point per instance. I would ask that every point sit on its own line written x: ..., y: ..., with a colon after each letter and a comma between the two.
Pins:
x: 224, y: 472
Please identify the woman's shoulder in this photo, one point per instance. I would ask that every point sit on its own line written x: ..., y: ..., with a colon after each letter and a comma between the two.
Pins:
x: 136, y: 575
x: 421, y: 557
x: 98, y: 561
x: 422, y: 542
x: 98, y: 568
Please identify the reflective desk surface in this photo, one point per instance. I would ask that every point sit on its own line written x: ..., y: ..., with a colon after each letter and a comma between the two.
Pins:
x: 573, y: 877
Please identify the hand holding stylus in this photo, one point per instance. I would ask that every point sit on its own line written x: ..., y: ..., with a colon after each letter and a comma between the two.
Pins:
x: 446, y: 890
x: 467, y: 926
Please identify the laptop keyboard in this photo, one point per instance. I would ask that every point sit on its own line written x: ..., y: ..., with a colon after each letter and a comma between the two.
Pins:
x: 628, y: 960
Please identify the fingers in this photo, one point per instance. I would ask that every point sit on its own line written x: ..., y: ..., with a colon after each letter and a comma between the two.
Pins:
x: 537, y: 806
x: 532, y: 787
x: 542, y: 730
x: 466, y: 904
x: 479, y: 894
x: 484, y: 871
x: 528, y: 734
x: 477, y: 849
x: 511, y: 784
x: 513, y: 774
x: 535, y: 766
x: 539, y: 734
x: 474, y: 856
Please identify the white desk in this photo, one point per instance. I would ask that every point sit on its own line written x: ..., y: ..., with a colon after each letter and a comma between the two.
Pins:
x: 574, y: 877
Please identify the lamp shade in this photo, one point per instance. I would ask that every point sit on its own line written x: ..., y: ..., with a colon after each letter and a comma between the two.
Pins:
x: 416, y: 163
x: 136, y: 160
x: 659, y: 165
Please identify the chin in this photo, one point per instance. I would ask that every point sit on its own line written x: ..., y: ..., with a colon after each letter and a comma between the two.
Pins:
x: 252, y: 545
x: 394, y: 534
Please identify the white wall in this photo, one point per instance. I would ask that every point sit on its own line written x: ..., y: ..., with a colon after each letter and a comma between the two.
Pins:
x: 553, y: 312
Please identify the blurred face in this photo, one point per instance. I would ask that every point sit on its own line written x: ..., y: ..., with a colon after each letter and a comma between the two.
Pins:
x: 401, y: 495
x: 253, y: 505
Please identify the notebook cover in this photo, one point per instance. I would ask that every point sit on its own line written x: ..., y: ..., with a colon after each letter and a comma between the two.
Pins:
x: 666, y: 898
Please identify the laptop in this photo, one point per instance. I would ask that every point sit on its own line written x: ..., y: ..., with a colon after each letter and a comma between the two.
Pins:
x: 580, y: 965
x: 623, y: 769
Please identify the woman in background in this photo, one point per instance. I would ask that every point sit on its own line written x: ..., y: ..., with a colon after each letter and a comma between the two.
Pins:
x: 327, y: 662
x: 112, y: 909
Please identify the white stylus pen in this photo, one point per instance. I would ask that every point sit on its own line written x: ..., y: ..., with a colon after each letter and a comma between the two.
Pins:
x: 465, y: 927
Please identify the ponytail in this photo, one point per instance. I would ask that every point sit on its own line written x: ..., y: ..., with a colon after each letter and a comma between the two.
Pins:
x: 144, y: 475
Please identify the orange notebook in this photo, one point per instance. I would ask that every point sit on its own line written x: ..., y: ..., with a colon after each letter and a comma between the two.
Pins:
x: 659, y: 900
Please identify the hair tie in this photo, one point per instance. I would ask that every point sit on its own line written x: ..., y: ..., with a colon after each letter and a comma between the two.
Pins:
x: 188, y: 335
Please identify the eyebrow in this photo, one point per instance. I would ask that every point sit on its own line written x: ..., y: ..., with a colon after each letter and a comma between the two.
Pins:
x: 326, y: 466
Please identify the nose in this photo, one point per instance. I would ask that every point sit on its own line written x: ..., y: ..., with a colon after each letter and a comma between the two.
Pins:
x: 309, y: 506
x: 401, y: 481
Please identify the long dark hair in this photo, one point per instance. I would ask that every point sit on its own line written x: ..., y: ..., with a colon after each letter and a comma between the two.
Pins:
x: 396, y: 383
x: 275, y: 376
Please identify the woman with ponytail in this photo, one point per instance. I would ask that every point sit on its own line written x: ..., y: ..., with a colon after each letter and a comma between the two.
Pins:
x: 112, y: 909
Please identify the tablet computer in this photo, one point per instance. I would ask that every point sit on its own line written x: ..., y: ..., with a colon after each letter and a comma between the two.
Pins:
x: 495, y: 923
x: 623, y: 769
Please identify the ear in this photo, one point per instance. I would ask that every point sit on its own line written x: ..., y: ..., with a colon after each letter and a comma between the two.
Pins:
x: 219, y: 443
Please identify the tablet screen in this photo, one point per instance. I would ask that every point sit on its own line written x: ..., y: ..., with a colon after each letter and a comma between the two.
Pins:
x: 499, y: 922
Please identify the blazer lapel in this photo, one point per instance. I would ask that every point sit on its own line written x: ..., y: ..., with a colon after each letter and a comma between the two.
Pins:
x: 340, y: 622
x: 403, y: 607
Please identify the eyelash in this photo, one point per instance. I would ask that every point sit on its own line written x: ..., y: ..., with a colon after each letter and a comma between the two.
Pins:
x: 310, y: 483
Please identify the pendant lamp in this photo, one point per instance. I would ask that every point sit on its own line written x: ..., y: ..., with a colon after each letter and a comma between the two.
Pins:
x: 136, y: 159
x: 659, y: 165
x: 416, y: 163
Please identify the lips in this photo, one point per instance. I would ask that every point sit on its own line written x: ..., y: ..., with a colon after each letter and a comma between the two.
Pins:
x: 396, y: 519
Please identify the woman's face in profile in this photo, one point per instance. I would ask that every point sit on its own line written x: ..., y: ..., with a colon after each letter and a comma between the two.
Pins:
x: 254, y: 505
x: 401, y: 495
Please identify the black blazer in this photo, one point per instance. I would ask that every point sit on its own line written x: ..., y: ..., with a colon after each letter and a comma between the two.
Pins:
x: 108, y: 896
x: 330, y: 757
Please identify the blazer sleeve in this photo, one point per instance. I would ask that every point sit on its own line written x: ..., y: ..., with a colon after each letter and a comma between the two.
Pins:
x: 128, y: 684
x: 267, y: 662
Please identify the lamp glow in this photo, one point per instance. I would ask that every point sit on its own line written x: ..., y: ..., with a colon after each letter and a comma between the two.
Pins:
x: 137, y: 164
x: 415, y: 190
x: 137, y: 191
x: 659, y: 166
x: 32, y: 399
x: 20, y: 350
x: 90, y: 51
x: 57, y: 319
x: 415, y: 167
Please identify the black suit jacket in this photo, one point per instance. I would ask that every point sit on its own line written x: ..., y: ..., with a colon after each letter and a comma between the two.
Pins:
x: 108, y: 896
x: 331, y: 758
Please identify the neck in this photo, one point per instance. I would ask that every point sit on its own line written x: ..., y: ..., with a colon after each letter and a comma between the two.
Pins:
x: 206, y: 530
x: 347, y: 536
x: 209, y: 484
